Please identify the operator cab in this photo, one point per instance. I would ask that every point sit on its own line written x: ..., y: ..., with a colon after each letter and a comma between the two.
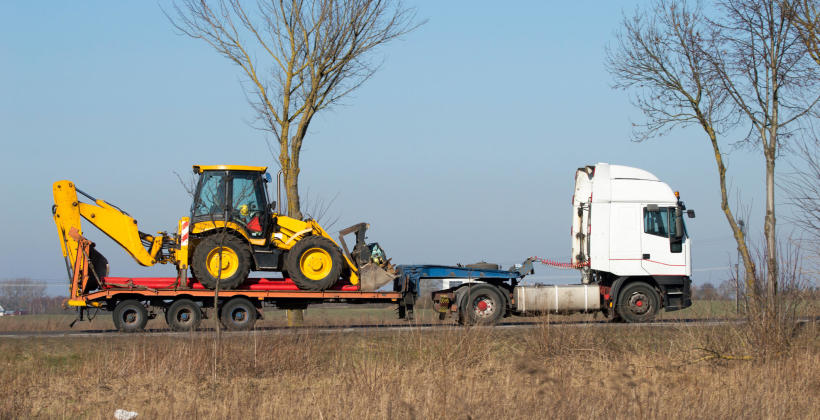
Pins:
x: 234, y: 193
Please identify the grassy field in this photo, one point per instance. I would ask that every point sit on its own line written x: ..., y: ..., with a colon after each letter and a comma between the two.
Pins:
x: 585, y: 371
x: 319, y: 315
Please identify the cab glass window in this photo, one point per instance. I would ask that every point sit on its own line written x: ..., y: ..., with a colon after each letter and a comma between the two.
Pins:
x: 247, y: 198
x: 656, y: 222
x: 211, y: 197
x: 248, y: 203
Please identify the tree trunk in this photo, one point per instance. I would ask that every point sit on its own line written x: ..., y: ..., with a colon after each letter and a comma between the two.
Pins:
x: 292, y: 190
x: 740, y: 238
x: 769, y: 231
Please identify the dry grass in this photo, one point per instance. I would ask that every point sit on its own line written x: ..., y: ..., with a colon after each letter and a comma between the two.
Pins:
x: 557, y: 371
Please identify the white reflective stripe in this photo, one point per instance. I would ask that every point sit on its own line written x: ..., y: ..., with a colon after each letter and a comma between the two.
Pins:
x: 184, y: 234
x: 297, y: 234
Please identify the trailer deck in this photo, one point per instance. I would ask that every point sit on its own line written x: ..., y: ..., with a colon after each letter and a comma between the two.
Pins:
x: 257, y: 288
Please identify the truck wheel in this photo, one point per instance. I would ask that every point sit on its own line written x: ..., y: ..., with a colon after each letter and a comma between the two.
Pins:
x: 481, y: 305
x: 130, y: 316
x: 314, y: 263
x: 183, y: 315
x: 238, y: 314
x: 638, y: 302
x: 236, y: 262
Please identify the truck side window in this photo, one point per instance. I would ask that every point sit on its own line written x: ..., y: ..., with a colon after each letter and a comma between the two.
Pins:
x: 656, y: 222
x: 660, y: 222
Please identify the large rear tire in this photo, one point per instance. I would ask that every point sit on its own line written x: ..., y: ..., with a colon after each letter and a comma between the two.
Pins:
x: 638, y: 302
x: 235, y: 262
x: 314, y: 263
x: 130, y: 316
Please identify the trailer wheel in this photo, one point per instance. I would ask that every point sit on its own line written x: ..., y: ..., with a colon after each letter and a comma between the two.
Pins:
x: 183, y: 315
x: 637, y: 302
x: 481, y: 305
x: 238, y: 314
x: 235, y: 262
x: 130, y: 316
x: 314, y: 263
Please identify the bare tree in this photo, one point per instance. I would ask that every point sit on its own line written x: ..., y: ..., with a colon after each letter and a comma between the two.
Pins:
x: 757, y: 54
x: 803, y: 189
x: 298, y: 57
x: 743, y: 69
x: 21, y: 294
x: 659, y: 54
x: 806, y: 15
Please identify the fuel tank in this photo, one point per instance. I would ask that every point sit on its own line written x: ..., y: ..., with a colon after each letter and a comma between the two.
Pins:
x: 537, y: 299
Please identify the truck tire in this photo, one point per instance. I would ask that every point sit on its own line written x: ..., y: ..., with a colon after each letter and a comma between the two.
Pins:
x: 130, y: 316
x: 314, y: 263
x: 236, y: 262
x: 183, y: 315
x: 238, y: 314
x: 481, y: 305
x: 637, y: 302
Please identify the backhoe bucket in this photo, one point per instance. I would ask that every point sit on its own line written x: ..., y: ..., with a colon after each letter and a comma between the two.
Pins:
x: 373, y: 277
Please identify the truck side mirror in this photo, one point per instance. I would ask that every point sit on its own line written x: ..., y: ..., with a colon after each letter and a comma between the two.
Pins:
x: 678, y: 224
x: 690, y: 213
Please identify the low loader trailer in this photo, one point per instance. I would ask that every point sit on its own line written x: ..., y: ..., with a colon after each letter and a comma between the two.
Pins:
x: 629, y: 244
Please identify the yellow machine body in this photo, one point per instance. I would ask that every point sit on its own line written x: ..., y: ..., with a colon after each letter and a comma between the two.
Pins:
x: 148, y: 250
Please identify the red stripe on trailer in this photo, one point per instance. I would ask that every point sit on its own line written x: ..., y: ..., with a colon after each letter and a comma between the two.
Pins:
x: 249, y: 284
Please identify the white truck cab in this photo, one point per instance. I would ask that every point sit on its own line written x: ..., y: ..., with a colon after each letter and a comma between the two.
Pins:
x: 628, y: 225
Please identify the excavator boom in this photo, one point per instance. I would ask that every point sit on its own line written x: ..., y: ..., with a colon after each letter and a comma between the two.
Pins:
x: 114, y: 222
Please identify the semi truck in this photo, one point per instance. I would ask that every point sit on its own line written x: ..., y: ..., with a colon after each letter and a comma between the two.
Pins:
x: 629, y: 244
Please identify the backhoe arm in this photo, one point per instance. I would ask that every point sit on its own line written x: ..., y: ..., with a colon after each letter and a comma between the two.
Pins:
x: 114, y: 222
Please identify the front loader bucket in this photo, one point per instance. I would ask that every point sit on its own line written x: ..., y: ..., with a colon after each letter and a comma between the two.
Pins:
x: 372, y: 277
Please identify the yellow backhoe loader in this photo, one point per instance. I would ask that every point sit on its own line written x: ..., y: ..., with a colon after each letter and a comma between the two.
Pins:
x: 232, y: 229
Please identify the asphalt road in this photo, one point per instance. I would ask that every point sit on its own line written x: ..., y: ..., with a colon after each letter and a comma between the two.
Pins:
x: 686, y: 323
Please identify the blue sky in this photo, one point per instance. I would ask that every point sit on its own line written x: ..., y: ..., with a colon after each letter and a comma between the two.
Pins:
x: 463, y: 147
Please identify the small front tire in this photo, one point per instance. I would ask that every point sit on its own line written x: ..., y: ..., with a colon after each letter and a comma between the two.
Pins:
x: 314, y: 263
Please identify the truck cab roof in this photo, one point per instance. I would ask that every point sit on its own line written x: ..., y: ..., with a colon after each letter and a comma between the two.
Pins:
x: 617, y: 183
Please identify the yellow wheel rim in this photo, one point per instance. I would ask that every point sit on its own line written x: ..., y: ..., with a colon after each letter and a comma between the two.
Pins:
x: 230, y: 262
x: 315, y: 263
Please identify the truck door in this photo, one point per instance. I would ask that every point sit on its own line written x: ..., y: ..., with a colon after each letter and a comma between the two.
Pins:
x: 662, y: 251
